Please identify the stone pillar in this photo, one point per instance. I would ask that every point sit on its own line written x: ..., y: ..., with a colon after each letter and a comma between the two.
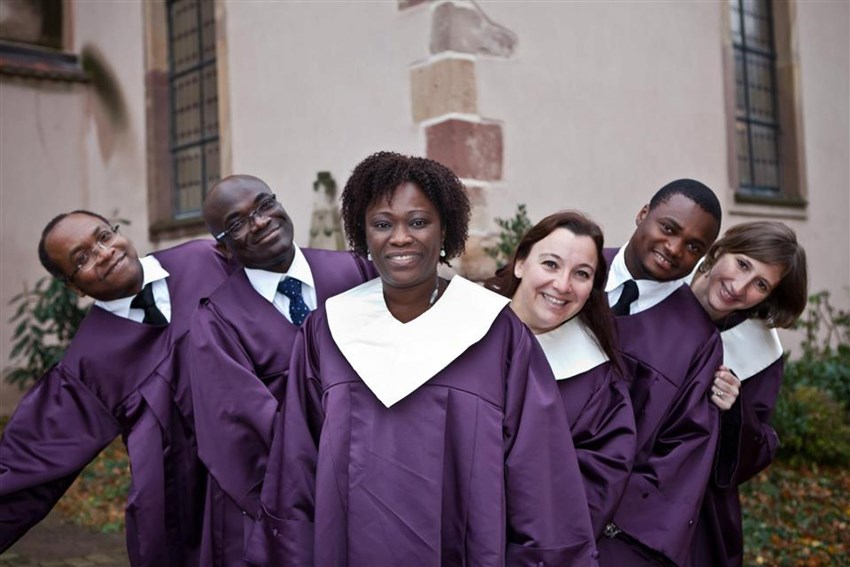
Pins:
x: 445, y: 104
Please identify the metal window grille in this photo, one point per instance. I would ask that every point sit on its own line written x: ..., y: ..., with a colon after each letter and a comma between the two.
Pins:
x: 193, y: 84
x: 756, y: 119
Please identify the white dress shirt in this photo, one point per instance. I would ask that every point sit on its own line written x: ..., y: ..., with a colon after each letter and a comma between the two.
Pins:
x: 265, y: 283
x: 153, y: 273
x: 650, y: 292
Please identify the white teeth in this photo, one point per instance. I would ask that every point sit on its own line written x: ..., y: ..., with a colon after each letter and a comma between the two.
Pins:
x: 554, y: 301
x: 406, y: 257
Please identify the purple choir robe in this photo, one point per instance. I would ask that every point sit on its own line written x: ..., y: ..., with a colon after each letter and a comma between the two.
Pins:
x: 118, y: 377
x: 472, y: 468
x: 747, y: 446
x: 602, y: 423
x: 671, y: 350
x: 241, y: 348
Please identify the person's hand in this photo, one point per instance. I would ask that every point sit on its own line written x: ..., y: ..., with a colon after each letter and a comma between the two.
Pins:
x: 725, y: 389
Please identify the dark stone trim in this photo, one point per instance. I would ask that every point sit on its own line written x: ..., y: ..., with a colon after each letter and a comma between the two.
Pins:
x: 20, y: 60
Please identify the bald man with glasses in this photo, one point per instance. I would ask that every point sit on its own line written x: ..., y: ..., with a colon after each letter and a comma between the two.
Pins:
x: 242, y: 336
x: 125, y: 373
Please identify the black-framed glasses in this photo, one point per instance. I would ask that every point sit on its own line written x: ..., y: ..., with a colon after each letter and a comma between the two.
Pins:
x: 239, y: 228
x: 85, y: 259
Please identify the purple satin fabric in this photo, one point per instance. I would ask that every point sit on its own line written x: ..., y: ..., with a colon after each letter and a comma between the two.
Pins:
x: 672, y: 351
x: 747, y: 447
x: 241, y: 346
x: 127, y: 378
x: 602, y: 423
x: 473, y: 468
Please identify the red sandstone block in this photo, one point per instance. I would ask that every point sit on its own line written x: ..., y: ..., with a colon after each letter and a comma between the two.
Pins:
x: 473, y: 150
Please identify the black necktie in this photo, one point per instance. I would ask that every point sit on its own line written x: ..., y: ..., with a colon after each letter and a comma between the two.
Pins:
x: 145, y: 302
x: 298, y: 310
x: 627, y: 297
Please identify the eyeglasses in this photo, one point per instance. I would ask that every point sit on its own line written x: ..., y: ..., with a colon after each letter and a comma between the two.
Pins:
x: 239, y: 228
x: 87, y: 258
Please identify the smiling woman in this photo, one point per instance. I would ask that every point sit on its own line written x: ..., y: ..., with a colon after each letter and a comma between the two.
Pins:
x: 421, y: 423
x: 752, y: 280
x: 556, y: 282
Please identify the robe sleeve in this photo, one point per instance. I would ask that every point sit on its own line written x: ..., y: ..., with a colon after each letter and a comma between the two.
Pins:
x: 605, y: 440
x: 283, y: 533
x: 548, y: 522
x: 234, y: 411
x: 747, y: 442
x: 665, y: 490
x: 56, y: 430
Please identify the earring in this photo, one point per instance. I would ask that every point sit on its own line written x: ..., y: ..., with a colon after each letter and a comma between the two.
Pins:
x: 442, y: 252
x: 369, y: 255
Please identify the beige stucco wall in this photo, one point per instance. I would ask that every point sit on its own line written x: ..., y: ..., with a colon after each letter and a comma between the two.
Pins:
x: 601, y: 104
x: 60, y: 151
x: 319, y: 86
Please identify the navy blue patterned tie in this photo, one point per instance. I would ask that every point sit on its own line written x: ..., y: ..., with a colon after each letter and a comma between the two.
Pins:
x: 298, y: 310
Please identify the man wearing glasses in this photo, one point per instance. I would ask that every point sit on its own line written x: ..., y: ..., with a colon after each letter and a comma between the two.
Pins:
x: 125, y: 373
x: 242, y: 338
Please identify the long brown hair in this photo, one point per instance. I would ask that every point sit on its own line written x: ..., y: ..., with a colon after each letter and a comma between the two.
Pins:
x: 596, y: 315
x: 774, y: 244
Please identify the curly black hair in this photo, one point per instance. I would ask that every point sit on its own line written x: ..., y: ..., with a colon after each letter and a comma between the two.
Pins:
x: 380, y: 174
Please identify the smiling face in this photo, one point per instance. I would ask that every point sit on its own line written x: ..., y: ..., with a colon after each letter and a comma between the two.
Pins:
x: 735, y: 282
x: 116, y: 272
x: 556, y: 280
x: 670, y: 239
x: 404, y: 235
x: 268, y: 241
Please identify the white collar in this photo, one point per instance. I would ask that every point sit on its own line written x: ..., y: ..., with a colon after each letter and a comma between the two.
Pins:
x: 152, y: 271
x: 650, y: 292
x: 750, y: 347
x: 571, y: 349
x: 265, y: 282
x: 394, y: 359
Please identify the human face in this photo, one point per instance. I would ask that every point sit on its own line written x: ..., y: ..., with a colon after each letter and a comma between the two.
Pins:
x: 555, y: 280
x: 404, y: 234
x: 116, y: 272
x: 268, y: 241
x: 735, y: 282
x: 669, y: 240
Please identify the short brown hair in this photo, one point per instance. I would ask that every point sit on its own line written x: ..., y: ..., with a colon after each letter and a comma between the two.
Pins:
x: 775, y: 244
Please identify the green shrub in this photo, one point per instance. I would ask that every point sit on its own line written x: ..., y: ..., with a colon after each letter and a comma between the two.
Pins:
x: 47, y: 318
x: 825, y: 362
x: 512, y: 231
x: 829, y: 372
x: 813, y: 427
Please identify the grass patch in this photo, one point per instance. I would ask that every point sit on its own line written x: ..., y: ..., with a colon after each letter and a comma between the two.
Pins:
x: 96, y: 499
x: 797, y: 516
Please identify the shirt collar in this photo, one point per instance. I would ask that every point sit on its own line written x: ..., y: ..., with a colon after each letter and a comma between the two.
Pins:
x: 265, y: 282
x: 152, y: 271
x: 650, y: 292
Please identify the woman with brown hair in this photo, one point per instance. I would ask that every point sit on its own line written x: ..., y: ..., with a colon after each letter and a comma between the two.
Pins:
x: 753, y: 280
x: 556, y: 282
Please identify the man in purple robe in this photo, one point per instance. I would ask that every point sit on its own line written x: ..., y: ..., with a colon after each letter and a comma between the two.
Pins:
x: 244, y: 332
x: 124, y: 373
x: 672, y: 350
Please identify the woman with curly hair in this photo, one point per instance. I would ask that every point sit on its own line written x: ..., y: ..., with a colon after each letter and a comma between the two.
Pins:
x: 556, y: 283
x: 421, y: 425
x: 752, y: 281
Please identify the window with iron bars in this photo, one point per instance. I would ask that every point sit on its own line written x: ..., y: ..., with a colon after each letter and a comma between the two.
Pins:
x: 193, y: 87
